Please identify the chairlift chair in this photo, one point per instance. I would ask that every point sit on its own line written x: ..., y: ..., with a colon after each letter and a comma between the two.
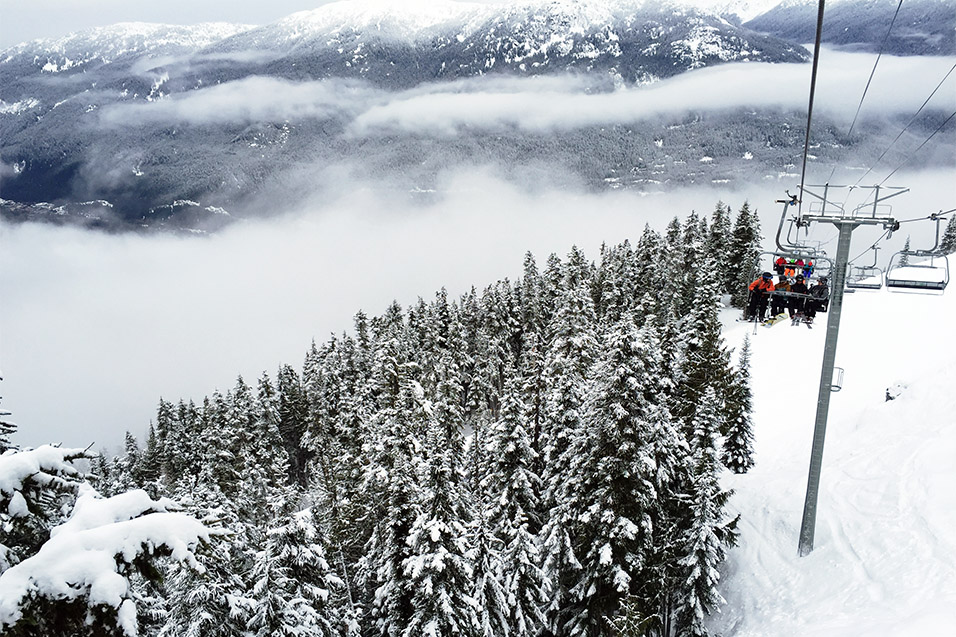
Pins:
x: 821, y: 265
x: 932, y: 276
x: 865, y: 277
x: 922, y: 276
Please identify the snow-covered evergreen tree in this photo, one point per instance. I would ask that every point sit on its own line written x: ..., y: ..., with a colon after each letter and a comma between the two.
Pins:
x: 338, y: 405
x: 391, y: 490
x: 439, y: 569
x: 150, y: 467
x: 212, y: 601
x: 947, y: 244
x: 704, y: 361
x: 78, y: 581
x: 35, y: 486
x: 515, y: 501
x: 292, y: 412
x: 744, y: 254
x: 649, y: 271
x: 905, y: 257
x: 737, y: 454
x: 717, y: 245
x: 703, y: 545
x: 569, y: 359
x: 292, y: 581
x: 614, y: 464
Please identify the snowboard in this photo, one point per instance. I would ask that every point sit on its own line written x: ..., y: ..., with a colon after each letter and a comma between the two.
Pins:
x: 773, y: 320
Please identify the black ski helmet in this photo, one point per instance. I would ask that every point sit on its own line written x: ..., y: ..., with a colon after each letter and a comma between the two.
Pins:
x: 767, y: 275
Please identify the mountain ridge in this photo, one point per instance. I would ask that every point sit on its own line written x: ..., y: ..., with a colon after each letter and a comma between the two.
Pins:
x: 55, y: 95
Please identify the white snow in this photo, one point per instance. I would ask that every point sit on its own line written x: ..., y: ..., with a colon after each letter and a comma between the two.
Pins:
x: 85, y: 555
x: 43, y: 465
x: 605, y: 555
x: 18, y: 506
x: 18, y: 107
x: 884, y: 558
x: 91, y: 510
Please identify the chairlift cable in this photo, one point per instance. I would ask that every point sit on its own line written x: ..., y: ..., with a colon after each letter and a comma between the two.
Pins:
x: 813, y: 87
x: 931, y: 216
x: 870, y: 248
x: 908, y: 124
x: 940, y: 214
x: 870, y: 80
x: 918, y: 148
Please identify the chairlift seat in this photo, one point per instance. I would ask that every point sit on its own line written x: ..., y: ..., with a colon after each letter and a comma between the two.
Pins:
x: 910, y: 277
x: 915, y: 285
x: 870, y: 283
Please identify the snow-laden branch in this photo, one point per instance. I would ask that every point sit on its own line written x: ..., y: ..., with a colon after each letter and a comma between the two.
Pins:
x: 43, y: 466
x: 88, y: 557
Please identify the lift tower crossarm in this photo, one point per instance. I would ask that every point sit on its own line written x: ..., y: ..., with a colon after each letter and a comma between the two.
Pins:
x: 823, y: 198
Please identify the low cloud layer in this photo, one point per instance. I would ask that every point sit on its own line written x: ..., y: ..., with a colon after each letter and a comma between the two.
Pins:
x: 253, y: 99
x: 543, y: 104
x: 95, y: 328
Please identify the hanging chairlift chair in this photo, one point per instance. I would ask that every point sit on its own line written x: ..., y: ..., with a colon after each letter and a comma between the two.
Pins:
x: 922, y: 276
x: 928, y: 277
x: 821, y: 265
x: 865, y: 277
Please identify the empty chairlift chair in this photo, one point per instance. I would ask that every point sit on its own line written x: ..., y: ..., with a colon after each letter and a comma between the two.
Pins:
x: 929, y: 274
x: 921, y: 270
x: 865, y: 277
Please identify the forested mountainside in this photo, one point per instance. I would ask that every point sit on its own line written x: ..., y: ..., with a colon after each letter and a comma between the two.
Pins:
x: 919, y: 27
x: 540, y: 455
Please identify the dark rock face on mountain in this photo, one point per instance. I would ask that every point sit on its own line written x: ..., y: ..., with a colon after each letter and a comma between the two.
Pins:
x: 151, y: 126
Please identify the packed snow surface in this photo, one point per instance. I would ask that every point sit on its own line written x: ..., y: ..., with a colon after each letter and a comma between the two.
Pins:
x: 884, y: 558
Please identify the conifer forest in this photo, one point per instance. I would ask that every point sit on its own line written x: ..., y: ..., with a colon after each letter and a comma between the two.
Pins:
x: 541, y: 457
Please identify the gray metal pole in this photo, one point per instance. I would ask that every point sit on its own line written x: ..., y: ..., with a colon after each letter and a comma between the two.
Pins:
x: 826, y: 379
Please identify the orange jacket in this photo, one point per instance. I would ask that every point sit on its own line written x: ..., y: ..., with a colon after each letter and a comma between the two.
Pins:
x: 762, y: 285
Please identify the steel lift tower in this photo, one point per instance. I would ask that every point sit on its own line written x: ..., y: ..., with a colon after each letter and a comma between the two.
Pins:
x: 825, y: 211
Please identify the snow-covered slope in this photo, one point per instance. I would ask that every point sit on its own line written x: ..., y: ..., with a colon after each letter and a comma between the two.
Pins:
x: 106, y: 45
x: 884, y: 559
